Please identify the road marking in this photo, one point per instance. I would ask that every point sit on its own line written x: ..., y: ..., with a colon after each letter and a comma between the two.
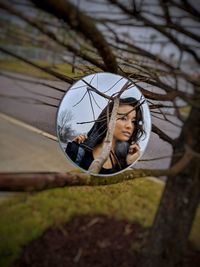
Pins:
x: 50, y: 136
x: 27, y: 126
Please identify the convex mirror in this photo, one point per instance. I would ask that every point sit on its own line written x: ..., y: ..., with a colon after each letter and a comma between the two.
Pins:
x: 103, y: 123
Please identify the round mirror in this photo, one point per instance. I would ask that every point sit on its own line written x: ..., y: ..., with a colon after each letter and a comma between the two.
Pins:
x: 103, y: 123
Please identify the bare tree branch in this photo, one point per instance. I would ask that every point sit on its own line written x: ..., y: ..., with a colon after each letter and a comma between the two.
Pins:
x: 49, y: 71
x: 148, y: 22
x: 31, y: 81
x: 186, y: 6
x: 51, y: 35
x: 42, y: 181
x: 163, y: 135
x: 97, y: 164
x: 83, y: 24
x: 163, y: 97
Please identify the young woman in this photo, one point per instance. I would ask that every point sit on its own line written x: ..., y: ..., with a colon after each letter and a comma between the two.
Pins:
x: 125, y: 149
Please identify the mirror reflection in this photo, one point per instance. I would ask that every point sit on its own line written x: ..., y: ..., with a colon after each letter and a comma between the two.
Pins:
x: 103, y: 123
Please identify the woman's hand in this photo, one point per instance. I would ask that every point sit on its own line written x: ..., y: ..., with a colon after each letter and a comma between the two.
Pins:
x: 80, y: 138
x: 133, y: 154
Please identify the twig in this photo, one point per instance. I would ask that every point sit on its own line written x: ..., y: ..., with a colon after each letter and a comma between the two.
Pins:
x: 43, y: 181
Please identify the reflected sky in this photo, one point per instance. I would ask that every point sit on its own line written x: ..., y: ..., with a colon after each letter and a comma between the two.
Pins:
x: 86, y: 107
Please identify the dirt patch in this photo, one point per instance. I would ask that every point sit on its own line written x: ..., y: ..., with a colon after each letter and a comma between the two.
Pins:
x: 91, y: 241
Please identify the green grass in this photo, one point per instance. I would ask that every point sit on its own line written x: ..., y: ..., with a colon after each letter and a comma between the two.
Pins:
x: 23, y: 68
x: 195, y: 233
x: 184, y: 111
x: 25, y: 216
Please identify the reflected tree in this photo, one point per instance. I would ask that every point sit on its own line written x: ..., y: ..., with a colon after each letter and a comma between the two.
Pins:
x: 156, y: 44
x: 64, y: 128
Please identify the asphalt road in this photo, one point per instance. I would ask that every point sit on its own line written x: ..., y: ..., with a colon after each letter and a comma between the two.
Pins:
x: 24, y: 149
x: 23, y: 100
x: 30, y: 102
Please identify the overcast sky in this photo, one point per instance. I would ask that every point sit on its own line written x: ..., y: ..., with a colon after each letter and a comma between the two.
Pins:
x: 81, y: 109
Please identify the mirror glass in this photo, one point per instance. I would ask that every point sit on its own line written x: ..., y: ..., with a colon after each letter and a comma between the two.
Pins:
x: 103, y: 123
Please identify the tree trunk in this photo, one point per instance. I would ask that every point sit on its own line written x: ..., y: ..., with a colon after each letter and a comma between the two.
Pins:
x: 169, y: 235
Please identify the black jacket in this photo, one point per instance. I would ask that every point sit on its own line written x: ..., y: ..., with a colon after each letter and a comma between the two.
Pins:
x: 83, y: 157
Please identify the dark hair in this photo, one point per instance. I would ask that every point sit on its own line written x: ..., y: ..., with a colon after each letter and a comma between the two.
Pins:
x: 98, y: 132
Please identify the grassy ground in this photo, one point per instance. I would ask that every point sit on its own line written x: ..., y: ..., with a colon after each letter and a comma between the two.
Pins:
x: 25, y: 216
x: 21, y: 67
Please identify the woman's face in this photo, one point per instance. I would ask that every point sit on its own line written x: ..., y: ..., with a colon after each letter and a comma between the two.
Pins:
x: 124, y: 126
